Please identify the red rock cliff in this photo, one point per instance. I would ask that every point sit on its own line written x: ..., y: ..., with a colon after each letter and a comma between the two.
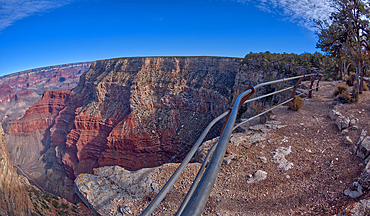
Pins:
x: 132, y: 112
x: 19, y: 91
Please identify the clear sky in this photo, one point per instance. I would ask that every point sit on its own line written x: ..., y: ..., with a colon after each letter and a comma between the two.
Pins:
x: 38, y: 33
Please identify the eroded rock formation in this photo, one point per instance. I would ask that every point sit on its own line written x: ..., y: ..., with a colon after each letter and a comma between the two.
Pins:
x: 131, y: 112
x: 19, y: 91
x: 14, y: 199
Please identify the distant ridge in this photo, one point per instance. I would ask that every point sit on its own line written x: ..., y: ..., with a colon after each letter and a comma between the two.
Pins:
x: 54, y: 67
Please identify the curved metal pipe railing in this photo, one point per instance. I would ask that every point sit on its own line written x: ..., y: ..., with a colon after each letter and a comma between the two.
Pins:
x: 196, y: 180
x: 204, y: 188
x: 266, y: 111
x: 151, y: 207
x: 199, y: 192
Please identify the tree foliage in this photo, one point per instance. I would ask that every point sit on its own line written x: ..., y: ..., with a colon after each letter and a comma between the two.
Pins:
x: 305, y: 61
x: 346, y: 35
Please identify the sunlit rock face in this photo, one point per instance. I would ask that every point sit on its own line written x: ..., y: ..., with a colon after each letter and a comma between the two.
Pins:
x: 131, y: 112
x: 19, y: 91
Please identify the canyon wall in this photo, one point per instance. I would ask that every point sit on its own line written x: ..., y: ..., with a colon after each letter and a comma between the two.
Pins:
x: 20, y: 90
x: 131, y: 112
x: 14, y: 199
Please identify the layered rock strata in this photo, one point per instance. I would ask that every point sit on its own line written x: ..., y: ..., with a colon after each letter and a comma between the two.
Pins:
x: 131, y: 112
x: 14, y: 199
x: 19, y: 91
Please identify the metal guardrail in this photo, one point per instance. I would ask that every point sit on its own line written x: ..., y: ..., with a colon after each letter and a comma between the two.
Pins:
x: 198, y: 194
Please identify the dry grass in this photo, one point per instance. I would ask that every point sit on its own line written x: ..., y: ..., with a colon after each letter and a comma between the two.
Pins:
x: 296, y: 104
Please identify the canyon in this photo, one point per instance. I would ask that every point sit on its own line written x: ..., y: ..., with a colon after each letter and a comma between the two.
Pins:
x: 20, y: 90
x: 132, y: 112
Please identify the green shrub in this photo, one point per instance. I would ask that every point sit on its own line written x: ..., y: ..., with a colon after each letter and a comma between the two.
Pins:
x: 340, y: 89
x: 61, y: 212
x: 346, y: 97
x: 296, y: 103
x: 55, y: 204
x: 74, y: 209
x: 64, y: 205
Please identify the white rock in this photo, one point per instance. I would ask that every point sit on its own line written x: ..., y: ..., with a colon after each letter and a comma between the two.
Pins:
x: 334, y: 114
x: 344, y: 132
x: 347, y: 140
x: 259, y: 175
x: 279, y: 157
x: 257, y: 138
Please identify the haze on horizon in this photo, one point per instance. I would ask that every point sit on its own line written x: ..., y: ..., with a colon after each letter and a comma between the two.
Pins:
x: 39, y: 33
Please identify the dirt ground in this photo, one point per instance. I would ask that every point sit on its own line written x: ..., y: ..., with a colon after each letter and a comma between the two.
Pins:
x: 323, y: 166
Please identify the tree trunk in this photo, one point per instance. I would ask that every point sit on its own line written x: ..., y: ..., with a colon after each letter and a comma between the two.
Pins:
x: 341, y: 69
x: 346, y: 68
x: 358, y: 71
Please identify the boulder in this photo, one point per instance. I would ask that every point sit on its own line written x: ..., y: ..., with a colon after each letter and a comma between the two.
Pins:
x: 238, y: 139
x: 333, y: 114
x: 113, y: 182
x: 362, y: 136
x: 364, y: 149
x: 342, y: 122
x: 354, y: 191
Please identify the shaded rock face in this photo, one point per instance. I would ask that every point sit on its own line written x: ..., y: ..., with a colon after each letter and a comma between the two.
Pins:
x: 14, y: 199
x: 131, y: 112
x: 19, y: 91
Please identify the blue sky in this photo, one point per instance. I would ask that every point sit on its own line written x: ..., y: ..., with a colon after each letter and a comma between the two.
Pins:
x: 38, y: 33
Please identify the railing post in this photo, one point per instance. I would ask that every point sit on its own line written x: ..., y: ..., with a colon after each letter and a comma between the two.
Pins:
x: 320, y: 76
x: 313, y: 78
x: 296, y: 86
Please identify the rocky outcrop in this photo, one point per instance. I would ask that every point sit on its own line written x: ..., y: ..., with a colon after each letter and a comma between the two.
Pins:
x: 19, y: 91
x: 14, y: 199
x: 112, y: 190
x: 100, y: 190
